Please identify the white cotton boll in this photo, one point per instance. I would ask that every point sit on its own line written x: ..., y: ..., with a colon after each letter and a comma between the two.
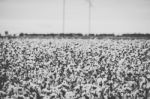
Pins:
x: 148, y: 76
x: 148, y: 85
x: 46, y: 97
x: 69, y: 95
x: 99, y: 80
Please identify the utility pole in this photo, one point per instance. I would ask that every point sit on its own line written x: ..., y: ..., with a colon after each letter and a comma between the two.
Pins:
x: 89, y: 16
x: 63, y: 25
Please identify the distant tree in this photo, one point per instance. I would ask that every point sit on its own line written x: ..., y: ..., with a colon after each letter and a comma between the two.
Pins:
x: 14, y: 35
x: 62, y: 35
x: 79, y: 34
x: 91, y: 35
x: 6, y: 33
x: 21, y: 34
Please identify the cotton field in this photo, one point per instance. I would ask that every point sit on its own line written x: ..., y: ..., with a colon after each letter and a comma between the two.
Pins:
x: 74, y: 69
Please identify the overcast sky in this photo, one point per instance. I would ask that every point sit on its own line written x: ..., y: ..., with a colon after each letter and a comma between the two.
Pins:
x: 45, y: 16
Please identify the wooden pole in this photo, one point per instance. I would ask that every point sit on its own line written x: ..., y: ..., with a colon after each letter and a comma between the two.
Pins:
x: 64, y: 2
x: 89, y: 27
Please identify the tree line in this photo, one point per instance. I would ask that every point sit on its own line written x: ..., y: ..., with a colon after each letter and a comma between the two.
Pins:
x: 75, y: 35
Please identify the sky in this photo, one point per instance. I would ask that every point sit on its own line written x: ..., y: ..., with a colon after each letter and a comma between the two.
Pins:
x: 46, y: 16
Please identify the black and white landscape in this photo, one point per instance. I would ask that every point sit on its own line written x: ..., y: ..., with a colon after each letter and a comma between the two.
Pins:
x: 74, y: 49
